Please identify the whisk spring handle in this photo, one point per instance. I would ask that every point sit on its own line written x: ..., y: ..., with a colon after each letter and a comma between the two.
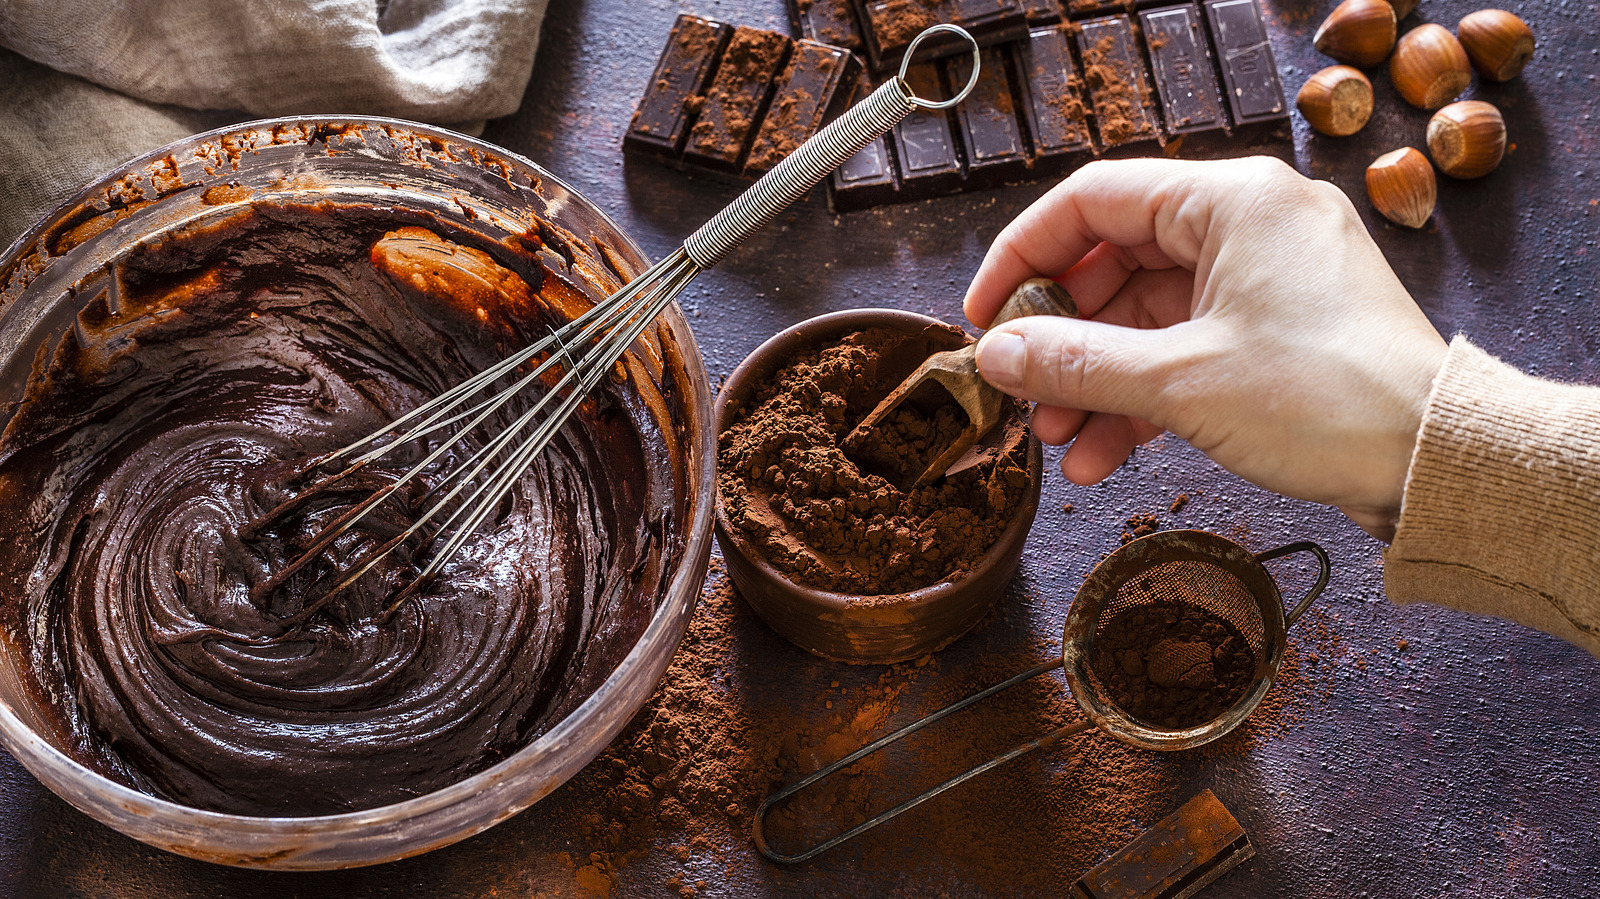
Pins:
x: 825, y: 151
x: 828, y: 149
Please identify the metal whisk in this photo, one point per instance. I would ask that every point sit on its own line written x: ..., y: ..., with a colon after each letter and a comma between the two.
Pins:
x: 584, y: 350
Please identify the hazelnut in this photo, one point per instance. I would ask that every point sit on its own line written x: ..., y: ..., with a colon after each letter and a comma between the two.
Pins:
x: 1401, y: 186
x: 1336, y: 101
x: 1498, y: 43
x: 1403, y: 8
x: 1467, y: 139
x: 1429, y: 67
x: 1358, y: 32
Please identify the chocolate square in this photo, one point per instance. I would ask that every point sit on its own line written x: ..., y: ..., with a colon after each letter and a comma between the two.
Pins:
x: 1042, y: 12
x: 1180, y: 62
x: 923, y: 144
x: 827, y: 22
x: 661, y: 123
x: 1118, y: 90
x: 1052, y: 100
x: 1243, y: 51
x: 889, y: 26
x: 991, y: 135
x: 814, y: 89
x: 737, y: 98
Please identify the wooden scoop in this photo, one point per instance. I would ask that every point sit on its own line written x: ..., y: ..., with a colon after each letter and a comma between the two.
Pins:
x: 956, y: 371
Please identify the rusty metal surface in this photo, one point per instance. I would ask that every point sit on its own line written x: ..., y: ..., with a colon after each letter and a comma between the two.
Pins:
x: 1433, y: 754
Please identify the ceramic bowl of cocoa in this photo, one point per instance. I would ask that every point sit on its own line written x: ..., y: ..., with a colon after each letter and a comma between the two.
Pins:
x: 835, y: 548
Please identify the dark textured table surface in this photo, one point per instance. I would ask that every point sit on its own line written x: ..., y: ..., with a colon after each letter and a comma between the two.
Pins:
x: 1412, y: 751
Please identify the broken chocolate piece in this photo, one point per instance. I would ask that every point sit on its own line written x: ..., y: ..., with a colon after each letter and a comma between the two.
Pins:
x: 737, y: 98
x: 990, y: 133
x: 1114, y: 72
x: 1052, y: 100
x: 1249, y: 72
x: 923, y: 143
x: 661, y: 123
x: 1182, y: 853
x: 814, y: 89
x: 827, y: 22
x: 1181, y: 65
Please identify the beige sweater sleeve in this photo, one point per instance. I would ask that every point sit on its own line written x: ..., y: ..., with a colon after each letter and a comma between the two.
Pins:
x: 1501, y: 514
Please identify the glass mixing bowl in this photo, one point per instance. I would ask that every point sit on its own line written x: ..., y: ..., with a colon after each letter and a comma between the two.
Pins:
x: 376, y: 161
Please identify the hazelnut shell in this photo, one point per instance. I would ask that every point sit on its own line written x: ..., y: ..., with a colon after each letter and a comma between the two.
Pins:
x: 1358, y: 32
x: 1336, y: 101
x: 1401, y: 186
x: 1429, y: 67
x: 1467, y: 139
x: 1403, y: 8
x: 1498, y: 43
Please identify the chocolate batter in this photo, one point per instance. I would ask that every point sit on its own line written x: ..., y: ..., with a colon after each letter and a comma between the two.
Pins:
x: 138, y: 479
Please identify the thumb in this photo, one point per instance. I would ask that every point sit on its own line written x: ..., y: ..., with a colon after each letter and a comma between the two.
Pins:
x: 1075, y: 364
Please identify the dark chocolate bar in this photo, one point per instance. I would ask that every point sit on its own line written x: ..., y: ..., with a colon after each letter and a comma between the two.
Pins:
x: 1042, y: 12
x: 661, y: 123
x: 814, y: 89
x: 1114, y: 72
x: 1182, y: 853
x: 1180, y: 64
x: 737, y: 98
x: 827, y: 22
x: 1080, y: 9
x: 866, y: 179
x: 991, y: 135
x: 990, y: 22
x: 923, y: 144
x: 1249, y: 72
x: 1052, y: 100
x: 889, y: 27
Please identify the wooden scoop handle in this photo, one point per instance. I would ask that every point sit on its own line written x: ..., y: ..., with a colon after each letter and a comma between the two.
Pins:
x: 1036, y: 296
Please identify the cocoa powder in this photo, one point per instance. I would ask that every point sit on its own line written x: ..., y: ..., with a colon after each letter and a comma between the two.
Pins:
x: 795, y: 498
x: 670, y: 802
x: 1172, y: 664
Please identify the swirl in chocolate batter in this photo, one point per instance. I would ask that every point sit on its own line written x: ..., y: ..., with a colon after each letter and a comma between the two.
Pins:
x: 139, y: 473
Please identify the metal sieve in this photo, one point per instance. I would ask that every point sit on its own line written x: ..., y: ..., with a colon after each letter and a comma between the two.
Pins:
x: 1194, y: 567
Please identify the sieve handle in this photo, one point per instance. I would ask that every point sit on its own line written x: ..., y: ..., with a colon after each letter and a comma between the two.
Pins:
x: 1325, y: 568
x: 758, y: 830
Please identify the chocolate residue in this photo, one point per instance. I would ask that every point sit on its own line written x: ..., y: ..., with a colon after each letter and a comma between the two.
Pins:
x: 141, y: 479
x: 795, y: 498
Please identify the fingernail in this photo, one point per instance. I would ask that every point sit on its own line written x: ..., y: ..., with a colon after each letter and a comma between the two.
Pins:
x: 1001, y: 357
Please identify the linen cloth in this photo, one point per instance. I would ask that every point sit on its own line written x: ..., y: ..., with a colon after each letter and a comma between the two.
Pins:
x: 1501, y: 514
x: 86, y: 84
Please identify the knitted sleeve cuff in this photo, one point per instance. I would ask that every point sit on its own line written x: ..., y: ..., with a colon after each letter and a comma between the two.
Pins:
x: 1501, y: 514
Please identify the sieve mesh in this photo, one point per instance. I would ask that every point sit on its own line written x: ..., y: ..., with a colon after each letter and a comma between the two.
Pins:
x: 1193, y: 582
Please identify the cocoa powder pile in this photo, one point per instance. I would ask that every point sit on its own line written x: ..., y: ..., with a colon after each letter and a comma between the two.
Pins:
x: 794, y: 497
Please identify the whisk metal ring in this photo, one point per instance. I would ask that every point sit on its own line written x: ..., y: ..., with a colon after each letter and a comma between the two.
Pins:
x: 972, y: 80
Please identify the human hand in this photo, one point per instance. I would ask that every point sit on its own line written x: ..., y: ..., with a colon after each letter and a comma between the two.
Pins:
x: 1234, y: 303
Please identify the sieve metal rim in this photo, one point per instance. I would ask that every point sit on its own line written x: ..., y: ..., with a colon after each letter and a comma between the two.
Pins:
x: 1139, y: 556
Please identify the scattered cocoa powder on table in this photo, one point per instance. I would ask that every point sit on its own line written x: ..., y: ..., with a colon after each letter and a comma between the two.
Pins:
x: 794, y: 497
x: 670, y: 802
